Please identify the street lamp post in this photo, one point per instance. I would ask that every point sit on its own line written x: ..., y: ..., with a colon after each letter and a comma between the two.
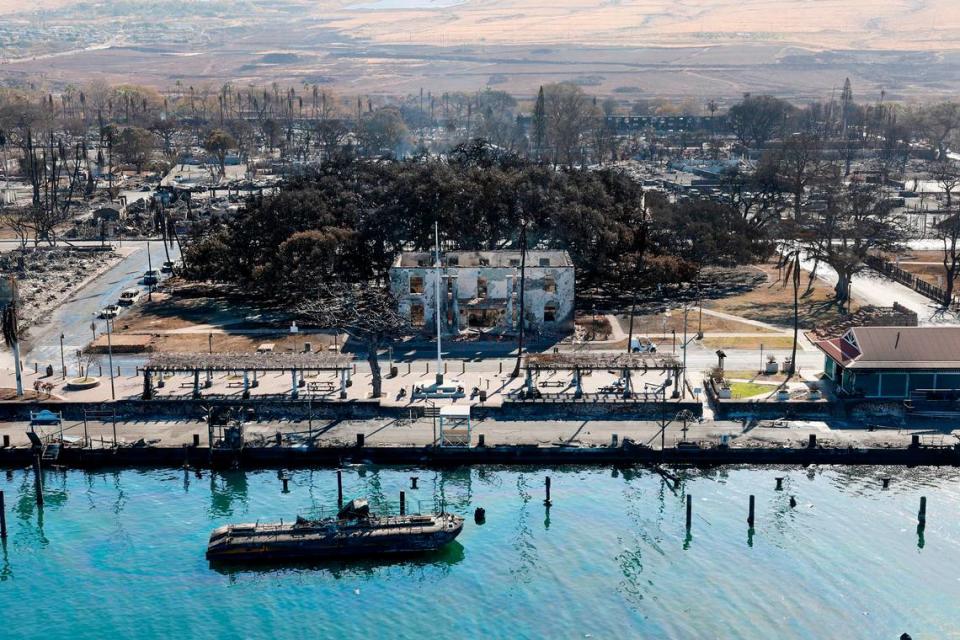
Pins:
x: 113, y: 391
x: 686, y: 342
x: 63, y: 362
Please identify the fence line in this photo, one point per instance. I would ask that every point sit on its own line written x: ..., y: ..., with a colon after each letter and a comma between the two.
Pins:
x: 904, y: 277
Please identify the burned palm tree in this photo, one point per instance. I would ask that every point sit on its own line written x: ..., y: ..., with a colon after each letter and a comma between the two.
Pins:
x: 11, y: 332
x: 789, y: 267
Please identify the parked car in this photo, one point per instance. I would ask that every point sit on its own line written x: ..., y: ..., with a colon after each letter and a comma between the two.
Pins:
x: 167, y: 267
x: 128, y: 297
x: 109, y: 311
x: 642, y: 345
x: 151, y: 277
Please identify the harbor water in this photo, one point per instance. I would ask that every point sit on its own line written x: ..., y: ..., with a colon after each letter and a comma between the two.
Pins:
x: 121, y: 554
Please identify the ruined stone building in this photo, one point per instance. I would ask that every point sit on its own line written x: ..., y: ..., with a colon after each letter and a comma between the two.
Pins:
x: 479, y: 290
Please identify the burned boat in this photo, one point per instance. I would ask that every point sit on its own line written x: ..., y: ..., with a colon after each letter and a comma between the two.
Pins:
x: 354, y: 532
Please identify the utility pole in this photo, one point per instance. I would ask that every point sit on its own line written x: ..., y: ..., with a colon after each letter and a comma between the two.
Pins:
x: 436, y: 228
x: 63, y: 363
x: 523, y: 277
x: 149, y: 268
x: 683, y: 382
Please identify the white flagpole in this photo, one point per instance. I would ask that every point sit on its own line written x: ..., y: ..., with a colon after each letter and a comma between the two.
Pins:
x: 436, y: 228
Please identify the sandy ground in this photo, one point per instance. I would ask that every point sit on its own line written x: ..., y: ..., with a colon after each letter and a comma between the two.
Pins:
x: 773, y: 302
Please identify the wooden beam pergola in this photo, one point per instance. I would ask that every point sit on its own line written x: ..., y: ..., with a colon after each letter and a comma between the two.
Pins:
x: 578, y: 362
x: 194, y: 363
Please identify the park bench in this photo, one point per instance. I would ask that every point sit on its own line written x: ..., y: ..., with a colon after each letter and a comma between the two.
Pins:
x: 553, y: 383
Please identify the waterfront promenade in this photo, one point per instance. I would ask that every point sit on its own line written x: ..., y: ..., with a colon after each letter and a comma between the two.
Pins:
x: 392, y: 432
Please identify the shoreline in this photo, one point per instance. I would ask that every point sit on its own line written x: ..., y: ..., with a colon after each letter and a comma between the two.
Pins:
x: 627, y: 454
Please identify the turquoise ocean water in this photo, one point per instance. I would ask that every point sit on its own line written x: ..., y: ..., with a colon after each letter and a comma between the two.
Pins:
x: 121, y: 555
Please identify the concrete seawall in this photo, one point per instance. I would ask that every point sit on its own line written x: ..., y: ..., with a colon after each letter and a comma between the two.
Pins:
x: 270, y: 457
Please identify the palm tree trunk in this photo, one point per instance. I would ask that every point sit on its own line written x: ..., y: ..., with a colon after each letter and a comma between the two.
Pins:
x: 796, y: 314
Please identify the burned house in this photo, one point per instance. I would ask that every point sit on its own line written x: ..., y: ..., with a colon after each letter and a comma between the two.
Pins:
x: 480, y: 291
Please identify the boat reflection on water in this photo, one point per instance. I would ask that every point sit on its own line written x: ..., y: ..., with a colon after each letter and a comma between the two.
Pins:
x: 420, y: 566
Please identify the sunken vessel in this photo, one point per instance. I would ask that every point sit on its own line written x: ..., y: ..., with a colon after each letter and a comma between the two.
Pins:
x: 354, y: 532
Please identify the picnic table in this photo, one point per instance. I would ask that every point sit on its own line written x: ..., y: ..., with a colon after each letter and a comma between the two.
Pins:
x: 553, y: 383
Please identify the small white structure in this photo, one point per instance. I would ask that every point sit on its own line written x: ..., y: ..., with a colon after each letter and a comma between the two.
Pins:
x: 455, y: 426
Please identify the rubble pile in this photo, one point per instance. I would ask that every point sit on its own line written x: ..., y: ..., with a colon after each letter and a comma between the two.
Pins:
x: 46, y: 276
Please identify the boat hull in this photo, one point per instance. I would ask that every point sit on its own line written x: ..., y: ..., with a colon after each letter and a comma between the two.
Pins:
x: 386, y: 537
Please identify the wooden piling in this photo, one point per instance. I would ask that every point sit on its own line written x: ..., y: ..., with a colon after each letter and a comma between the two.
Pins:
x: 750, y: 515
x: 403, y: 503
x: 547, y: 501
x: 922, y: 516
x: 37, y: 480
x: 339, y: 489
x: 3, y: 517
x: 689, y: 511
x: 6, y: 441
x: 413, y: 481
x: 779, y: 484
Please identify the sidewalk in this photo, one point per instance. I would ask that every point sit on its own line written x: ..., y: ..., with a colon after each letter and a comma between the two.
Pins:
x: 422, y: 432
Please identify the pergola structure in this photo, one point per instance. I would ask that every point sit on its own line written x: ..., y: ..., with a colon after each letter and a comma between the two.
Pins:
x: 626, y: 363
x: 295, y: 363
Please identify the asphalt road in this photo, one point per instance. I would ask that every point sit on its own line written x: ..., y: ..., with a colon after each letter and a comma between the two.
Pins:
x: 73, y: 317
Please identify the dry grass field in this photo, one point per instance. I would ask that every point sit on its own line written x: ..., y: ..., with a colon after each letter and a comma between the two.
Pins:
x: 675, y: 49
x: 773, y: 303
x: 824, y: 24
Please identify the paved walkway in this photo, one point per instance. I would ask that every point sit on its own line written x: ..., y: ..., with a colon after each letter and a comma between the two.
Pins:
x: 422, y: 432
x: 881, y: 291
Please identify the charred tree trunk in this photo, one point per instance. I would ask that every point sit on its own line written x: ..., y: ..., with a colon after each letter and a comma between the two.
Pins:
x: 842, y: 288
x: 376, y: 381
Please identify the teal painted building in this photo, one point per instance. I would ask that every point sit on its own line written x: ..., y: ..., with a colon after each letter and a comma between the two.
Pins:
x: 893, y: 363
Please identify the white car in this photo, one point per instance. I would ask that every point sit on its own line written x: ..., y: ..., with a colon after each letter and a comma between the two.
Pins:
x: 642, y: 345
x: 109, y: 311
x: 128, y: 297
